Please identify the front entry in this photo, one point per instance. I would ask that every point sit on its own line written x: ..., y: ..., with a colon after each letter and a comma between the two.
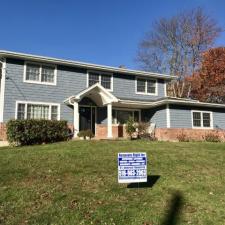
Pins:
x: 87, y: 118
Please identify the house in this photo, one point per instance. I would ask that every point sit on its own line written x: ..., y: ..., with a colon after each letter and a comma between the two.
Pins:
x: 100, y: 98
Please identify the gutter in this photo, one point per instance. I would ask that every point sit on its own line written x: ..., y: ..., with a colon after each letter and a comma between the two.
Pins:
x: 173, y: 101
x: 24, y: 56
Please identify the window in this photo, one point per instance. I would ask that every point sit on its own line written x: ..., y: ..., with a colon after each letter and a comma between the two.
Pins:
x: 104, y: 79
x: 32, y: 72
x: 93, y: 78
x: 37, y: 73
x: 47, y: 74
x: 121, y: 116
x: 141, y: 85
x: 21, y: 111
x: 202, y: 119
x: 146, y: 86
x: 37, y: 111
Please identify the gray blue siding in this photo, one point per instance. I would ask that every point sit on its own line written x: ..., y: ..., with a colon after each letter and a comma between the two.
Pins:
x: 70, y: 81
x: 155, y: 115
x: 124, y: 88
x: 180, y: 116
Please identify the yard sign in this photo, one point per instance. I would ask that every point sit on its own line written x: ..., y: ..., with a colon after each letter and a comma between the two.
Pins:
x: 132, y: 167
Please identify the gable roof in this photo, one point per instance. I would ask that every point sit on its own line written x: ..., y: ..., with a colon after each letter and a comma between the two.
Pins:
x: 96, y: 92
x: 73, y: 63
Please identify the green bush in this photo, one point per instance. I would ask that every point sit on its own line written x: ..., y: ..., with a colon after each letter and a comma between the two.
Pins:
x: 33, y: 131
x: 130, y: 127
x: 85, y: 134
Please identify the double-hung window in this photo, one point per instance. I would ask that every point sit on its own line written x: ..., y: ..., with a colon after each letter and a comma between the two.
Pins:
x: 30, y: 110
x: 102, y: 78
x: 146, y: 86
x: 201, y: 119
x: 38, y: 73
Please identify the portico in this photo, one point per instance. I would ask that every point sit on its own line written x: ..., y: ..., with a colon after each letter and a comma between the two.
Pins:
x: 101, y: 97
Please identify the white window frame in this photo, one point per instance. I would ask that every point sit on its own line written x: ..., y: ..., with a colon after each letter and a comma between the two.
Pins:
x: 40, y: 70
x: 125, y: 109
x: 201, y: 112
x: 146, y: 93
x: 100, y: 77
x: 38, y: 103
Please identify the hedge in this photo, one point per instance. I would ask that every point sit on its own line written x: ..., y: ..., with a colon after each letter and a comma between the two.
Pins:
x: 33, y: 131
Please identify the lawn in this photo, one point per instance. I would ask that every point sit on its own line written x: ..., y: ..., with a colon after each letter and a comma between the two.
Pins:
x: 76, y: 183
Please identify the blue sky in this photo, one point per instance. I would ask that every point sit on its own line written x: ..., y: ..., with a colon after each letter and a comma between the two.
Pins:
x: 97, y: 31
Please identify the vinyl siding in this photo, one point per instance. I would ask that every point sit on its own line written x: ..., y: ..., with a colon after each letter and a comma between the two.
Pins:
x: 180, y: 116
x: 70, y: 81
x: 124, y: 87
x: 156, y: 115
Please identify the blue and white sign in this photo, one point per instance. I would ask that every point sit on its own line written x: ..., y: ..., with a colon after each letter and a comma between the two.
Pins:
x: 132, y: 167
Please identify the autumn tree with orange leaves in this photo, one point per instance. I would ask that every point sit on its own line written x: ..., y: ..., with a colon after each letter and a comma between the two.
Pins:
x: 175, y: 45
x: 208, y: 83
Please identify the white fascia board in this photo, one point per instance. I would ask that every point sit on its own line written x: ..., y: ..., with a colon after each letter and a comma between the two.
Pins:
x: 104, y: 93
x: 173, y: 101
x: 85, y: 65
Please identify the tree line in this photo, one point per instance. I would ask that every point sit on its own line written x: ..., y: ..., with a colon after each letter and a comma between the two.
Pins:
x: 183, y: 45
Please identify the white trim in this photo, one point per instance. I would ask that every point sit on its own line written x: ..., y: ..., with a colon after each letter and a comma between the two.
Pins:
x: 146, y: 93
x: 84, y: 65
x: 40, y: 71
x: 109, y: 97
x: 50, y: 104
x: 168, y: 116
x: 76, y: 118
x: 177, y: 101
x: 165, y: 89
x: 100, y: 78
x: 2, y: 94
x: 109, y: 120
x: 201, y: 112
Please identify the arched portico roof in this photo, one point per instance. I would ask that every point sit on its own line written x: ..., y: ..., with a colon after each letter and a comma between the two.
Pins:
x: 97, y: 93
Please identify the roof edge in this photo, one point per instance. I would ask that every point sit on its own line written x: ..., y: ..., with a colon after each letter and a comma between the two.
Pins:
x: 19, y: 55
x: 175, y: 101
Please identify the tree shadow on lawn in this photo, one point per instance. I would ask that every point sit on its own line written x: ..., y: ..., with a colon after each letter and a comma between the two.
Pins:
x: 151, y: 181
x: 175, y: 206
x: 174, y: 211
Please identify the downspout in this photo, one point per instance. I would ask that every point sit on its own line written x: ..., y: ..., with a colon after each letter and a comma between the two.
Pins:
x: 2, y: 90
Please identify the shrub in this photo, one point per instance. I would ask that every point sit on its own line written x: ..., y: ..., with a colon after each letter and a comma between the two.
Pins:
x: 142, y: 128
x: 33, y: 131
x: 85, y: 134
x: 182, y: 137
x: 212, y: 137
x: 130, y: 127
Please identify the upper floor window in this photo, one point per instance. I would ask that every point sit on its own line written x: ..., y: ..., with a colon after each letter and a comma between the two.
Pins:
x: 38, y: 73
x: 102, y: 78
x: 30, y: 110
x: 146, y: 86
x: 201, y: 119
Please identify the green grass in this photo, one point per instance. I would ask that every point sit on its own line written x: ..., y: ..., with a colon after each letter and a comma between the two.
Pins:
x: 76, y: 183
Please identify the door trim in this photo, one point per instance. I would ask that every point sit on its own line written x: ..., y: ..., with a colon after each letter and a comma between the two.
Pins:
x: 90, y: 106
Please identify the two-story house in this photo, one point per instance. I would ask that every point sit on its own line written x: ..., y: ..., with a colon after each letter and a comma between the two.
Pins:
x: 97, y: 97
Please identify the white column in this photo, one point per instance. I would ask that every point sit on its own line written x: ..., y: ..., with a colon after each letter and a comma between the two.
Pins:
x: 76, y: 118
x: 109, y: 120
x: 2, y: 90
x: 167, y: 116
